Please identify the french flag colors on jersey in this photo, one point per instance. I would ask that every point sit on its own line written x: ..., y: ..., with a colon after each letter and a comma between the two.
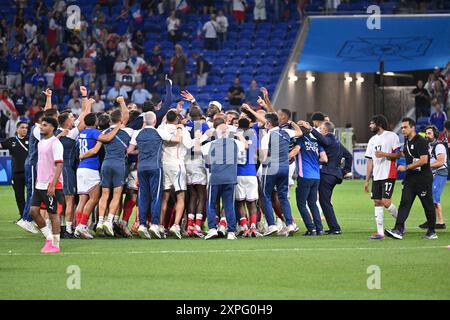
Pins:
x: 307, y: 160
x: 383, y: 168
x: 86, y: 141
x: 249, y: 168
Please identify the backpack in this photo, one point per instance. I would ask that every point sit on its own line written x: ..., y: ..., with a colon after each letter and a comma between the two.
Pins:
x: 433, y: 153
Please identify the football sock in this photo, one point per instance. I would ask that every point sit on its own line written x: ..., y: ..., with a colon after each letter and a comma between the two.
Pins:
x: 100, y: 220
x: 78, y: 217
x: 243, y: 221
x: 393, y: 210
x: 191, y: 221
x: 110, y: 218
x: 253, y: 219
x: 379, y: 220
x: 56, y: 239
x: 116, y: 219
x: 47, y: 233
x: 84, y: 219
x: 128, y: 209
x: 69, y: 226
x: 199, y: 220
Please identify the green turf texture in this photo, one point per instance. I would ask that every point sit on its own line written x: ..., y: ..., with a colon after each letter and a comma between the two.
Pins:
x: 327, y: 267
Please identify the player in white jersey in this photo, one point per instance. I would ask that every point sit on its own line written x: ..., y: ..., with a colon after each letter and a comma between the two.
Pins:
x: 382, y: 166
x: 173, y: 159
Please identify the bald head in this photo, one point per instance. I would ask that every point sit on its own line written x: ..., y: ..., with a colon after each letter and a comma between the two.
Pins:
x: 150, y: 118
x: 222, y: 131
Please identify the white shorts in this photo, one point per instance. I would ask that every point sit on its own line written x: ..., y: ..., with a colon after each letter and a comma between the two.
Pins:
x: 132, y: 180
x: 174, y: 176
x: 196, y: 174
x: 291, y: 174
x: 246, y: 188
x: 87, y: 179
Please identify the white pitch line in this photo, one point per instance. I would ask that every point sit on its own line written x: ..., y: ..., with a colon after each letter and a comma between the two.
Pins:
x: 221, y: 251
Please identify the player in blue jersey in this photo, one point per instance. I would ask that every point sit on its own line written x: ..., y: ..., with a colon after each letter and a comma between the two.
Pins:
x: 308, y: 156
x: 247, y: 182
x: 196, y: 177
x: 113, y: 172
x: 89, y: 143
x: 68, y: 135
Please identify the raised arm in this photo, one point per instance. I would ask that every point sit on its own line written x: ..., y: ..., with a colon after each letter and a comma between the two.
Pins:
x: 107, y: 137
x: 165, y: 106
x: 85, y: 108
x: 124, y: 109
x: 269, y: 106
x: 258, y: 116
x: 48, y: 100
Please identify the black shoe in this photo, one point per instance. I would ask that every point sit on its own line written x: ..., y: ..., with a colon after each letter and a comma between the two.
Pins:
x: 333, y: 232
x: 424, y: 226
x: 431, y: 235
x: 320, y: 233
x: 67, y: 235
x: 394, y: 233
x: 310, y: 233
x: 440, y: 226
x: 117, y: 231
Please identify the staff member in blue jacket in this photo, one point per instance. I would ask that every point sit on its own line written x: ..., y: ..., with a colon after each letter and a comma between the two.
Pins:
x: 332, y: 172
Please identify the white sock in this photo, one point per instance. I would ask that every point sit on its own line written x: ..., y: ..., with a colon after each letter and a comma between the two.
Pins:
x: 69, y: 226
x: 379, y: 220
x: 55, y: 240
x: 47, y: 233
x: 100, y: 220
x: 110, y: 218
x: 393, y: 210
x: 116, y: 219
x: 48, y: 222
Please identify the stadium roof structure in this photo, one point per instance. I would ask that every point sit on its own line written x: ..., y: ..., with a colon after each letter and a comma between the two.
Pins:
x: 403, y: 42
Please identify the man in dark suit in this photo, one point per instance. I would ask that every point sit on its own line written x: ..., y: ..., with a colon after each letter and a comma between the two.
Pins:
x: 332, y: 172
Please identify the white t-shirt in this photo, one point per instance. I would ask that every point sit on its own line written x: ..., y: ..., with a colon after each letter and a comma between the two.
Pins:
x: 70, y: 64
x: 172, y: 24
x: 383, y: 168
x: 222, y: 22
x: 98, y: 106
x: 440, y: 149
x: 175, y: 155
x: 238, y: 5
x: 210, y: 28
x: 30, y: 32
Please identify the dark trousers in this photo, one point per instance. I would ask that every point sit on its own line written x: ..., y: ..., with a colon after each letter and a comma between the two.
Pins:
x: 280, y: 179
x: 326, y: 186
x: 150, y: 195
x: 425, y: 193
x: 210, y: 43
x: 306, y: 192
x: 18, y: 183
x: 30, y: 180
x: 226, y: 192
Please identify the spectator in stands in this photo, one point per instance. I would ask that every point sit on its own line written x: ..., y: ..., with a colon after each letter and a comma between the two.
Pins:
x: 20, y: 100
x: 70, y: 64
x: 137, y: 65
x: 116, y: 91
x: 6, y: 108
x: 239, y: 7
x: 222, y: 22
x: 14, y: 61
x: 438, y: 117
x: 202, y: 69
x: 140, y: 95
x: 11, y: 125
x: 236, y: 94
x: 173, y: 27
x: 101, y: 78
x: 30, y: 30
x: 251, y: 96
x: 119, y: 68
x: 38, y: 80
x: 436, y: 86
x: 259, y: 11
x: 75, y: 99
x: 178, y: 67
x: 422, y: 100
x: 128, y: 80
x: 123, y: 47
x: 150, y: 79
x: 98, y: 105
x: 157, y: 61
x: 76, y: 109
x: 210, y: 29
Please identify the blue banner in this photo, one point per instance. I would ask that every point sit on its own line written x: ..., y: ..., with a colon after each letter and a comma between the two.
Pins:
x: 5, y: 170
x: 335, y: 44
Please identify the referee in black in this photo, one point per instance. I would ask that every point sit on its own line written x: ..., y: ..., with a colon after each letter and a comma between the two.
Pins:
x: 18, y: 149
x: 418, y: 181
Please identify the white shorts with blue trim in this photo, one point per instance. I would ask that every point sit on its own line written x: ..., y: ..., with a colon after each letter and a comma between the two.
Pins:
x: 174, y: 176
x: 246, y: 188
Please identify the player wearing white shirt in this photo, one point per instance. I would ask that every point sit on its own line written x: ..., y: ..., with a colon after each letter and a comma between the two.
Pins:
x: 174, y: 169
x: 382, y: 166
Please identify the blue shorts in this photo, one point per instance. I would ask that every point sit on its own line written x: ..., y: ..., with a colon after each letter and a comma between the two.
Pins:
x: 438, y: 187
x: 69, y: 181
x: 113, y: 175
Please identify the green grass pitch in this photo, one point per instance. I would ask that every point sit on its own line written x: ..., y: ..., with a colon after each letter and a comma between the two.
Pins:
x: 328, y: 267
